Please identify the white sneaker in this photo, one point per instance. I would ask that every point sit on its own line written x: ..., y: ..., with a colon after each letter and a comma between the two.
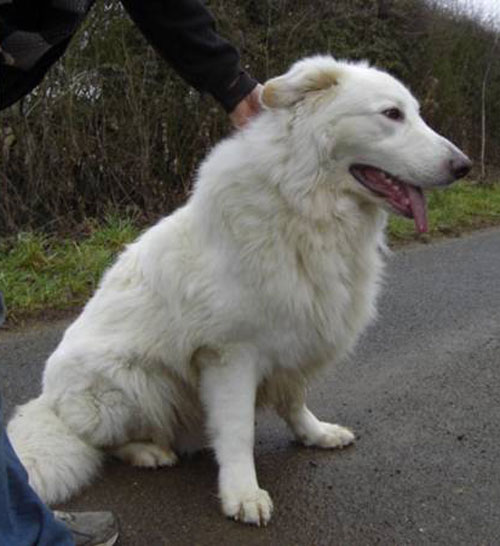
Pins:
x: 90, y: 528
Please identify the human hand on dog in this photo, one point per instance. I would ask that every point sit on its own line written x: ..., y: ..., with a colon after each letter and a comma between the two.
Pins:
x: 247, y: 108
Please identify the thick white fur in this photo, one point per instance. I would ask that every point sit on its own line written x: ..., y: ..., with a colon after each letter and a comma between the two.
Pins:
x: 268, y: 273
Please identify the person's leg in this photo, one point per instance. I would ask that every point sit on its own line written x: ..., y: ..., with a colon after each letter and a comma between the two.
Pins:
x: 24, y: 519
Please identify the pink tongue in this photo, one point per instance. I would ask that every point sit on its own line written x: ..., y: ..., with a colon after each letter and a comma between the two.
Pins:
x: 418, y: 207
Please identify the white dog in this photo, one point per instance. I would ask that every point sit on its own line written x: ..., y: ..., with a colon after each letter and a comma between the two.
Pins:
x: 269, y: 273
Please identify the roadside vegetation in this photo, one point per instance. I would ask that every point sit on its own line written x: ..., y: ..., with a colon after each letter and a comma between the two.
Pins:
x: 453, y: 211
x: 113, y: 134
x: 44, y: 276
x: 112, y: 128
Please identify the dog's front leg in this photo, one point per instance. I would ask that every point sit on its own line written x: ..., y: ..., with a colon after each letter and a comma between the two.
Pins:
x: 228, y: 387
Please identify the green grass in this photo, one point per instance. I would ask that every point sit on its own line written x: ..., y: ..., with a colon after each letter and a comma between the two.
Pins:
x: 462, y: 207
x: 40, y: 273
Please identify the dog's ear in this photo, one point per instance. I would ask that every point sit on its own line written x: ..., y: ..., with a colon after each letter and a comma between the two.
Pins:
x: 306, y: 76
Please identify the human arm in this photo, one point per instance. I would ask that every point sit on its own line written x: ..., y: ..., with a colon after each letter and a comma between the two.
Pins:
x: 183, y: 32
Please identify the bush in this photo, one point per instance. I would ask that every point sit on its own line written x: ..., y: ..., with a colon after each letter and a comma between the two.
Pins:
x: 111, y: 128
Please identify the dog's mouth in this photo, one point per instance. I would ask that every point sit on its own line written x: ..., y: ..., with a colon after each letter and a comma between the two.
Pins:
x: 403, y: 198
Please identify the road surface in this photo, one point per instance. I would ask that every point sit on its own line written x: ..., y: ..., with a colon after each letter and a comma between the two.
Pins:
x: 422, y: 393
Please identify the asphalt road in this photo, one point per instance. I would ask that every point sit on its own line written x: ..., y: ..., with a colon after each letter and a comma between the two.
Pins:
x: 422, y: 394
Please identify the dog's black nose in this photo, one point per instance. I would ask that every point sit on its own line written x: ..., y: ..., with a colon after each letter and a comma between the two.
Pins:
x: 460, y: 167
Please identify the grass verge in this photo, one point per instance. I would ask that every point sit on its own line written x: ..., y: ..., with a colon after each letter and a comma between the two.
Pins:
x: 462, y: 207
x: 44, y: 276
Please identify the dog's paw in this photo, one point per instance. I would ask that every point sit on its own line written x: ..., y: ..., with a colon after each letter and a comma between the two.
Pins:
x: 145, y: 455
x: 253, y: 507
x: 330, y: 436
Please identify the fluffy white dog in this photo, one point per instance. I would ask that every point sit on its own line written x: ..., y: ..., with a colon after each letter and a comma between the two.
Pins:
x: 269, y: 273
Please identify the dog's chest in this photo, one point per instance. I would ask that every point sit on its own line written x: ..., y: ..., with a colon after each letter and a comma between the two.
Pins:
x: 318, y: 299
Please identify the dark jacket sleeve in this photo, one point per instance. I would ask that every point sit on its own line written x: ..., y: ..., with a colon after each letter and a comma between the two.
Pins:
x: 183, y: 32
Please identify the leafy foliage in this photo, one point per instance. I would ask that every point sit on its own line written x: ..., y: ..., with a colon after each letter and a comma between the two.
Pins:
x: 113, y: 128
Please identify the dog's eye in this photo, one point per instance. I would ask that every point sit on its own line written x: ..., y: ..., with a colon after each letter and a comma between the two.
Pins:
x: 394, y: 113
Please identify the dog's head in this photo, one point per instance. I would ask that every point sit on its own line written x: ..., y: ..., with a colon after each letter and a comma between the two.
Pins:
x: 367, y: 124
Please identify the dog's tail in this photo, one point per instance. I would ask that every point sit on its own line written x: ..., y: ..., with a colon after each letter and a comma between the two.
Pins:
x: 58, y: 462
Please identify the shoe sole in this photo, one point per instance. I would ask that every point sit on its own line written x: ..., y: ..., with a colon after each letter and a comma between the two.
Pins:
x: 110, y: 541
